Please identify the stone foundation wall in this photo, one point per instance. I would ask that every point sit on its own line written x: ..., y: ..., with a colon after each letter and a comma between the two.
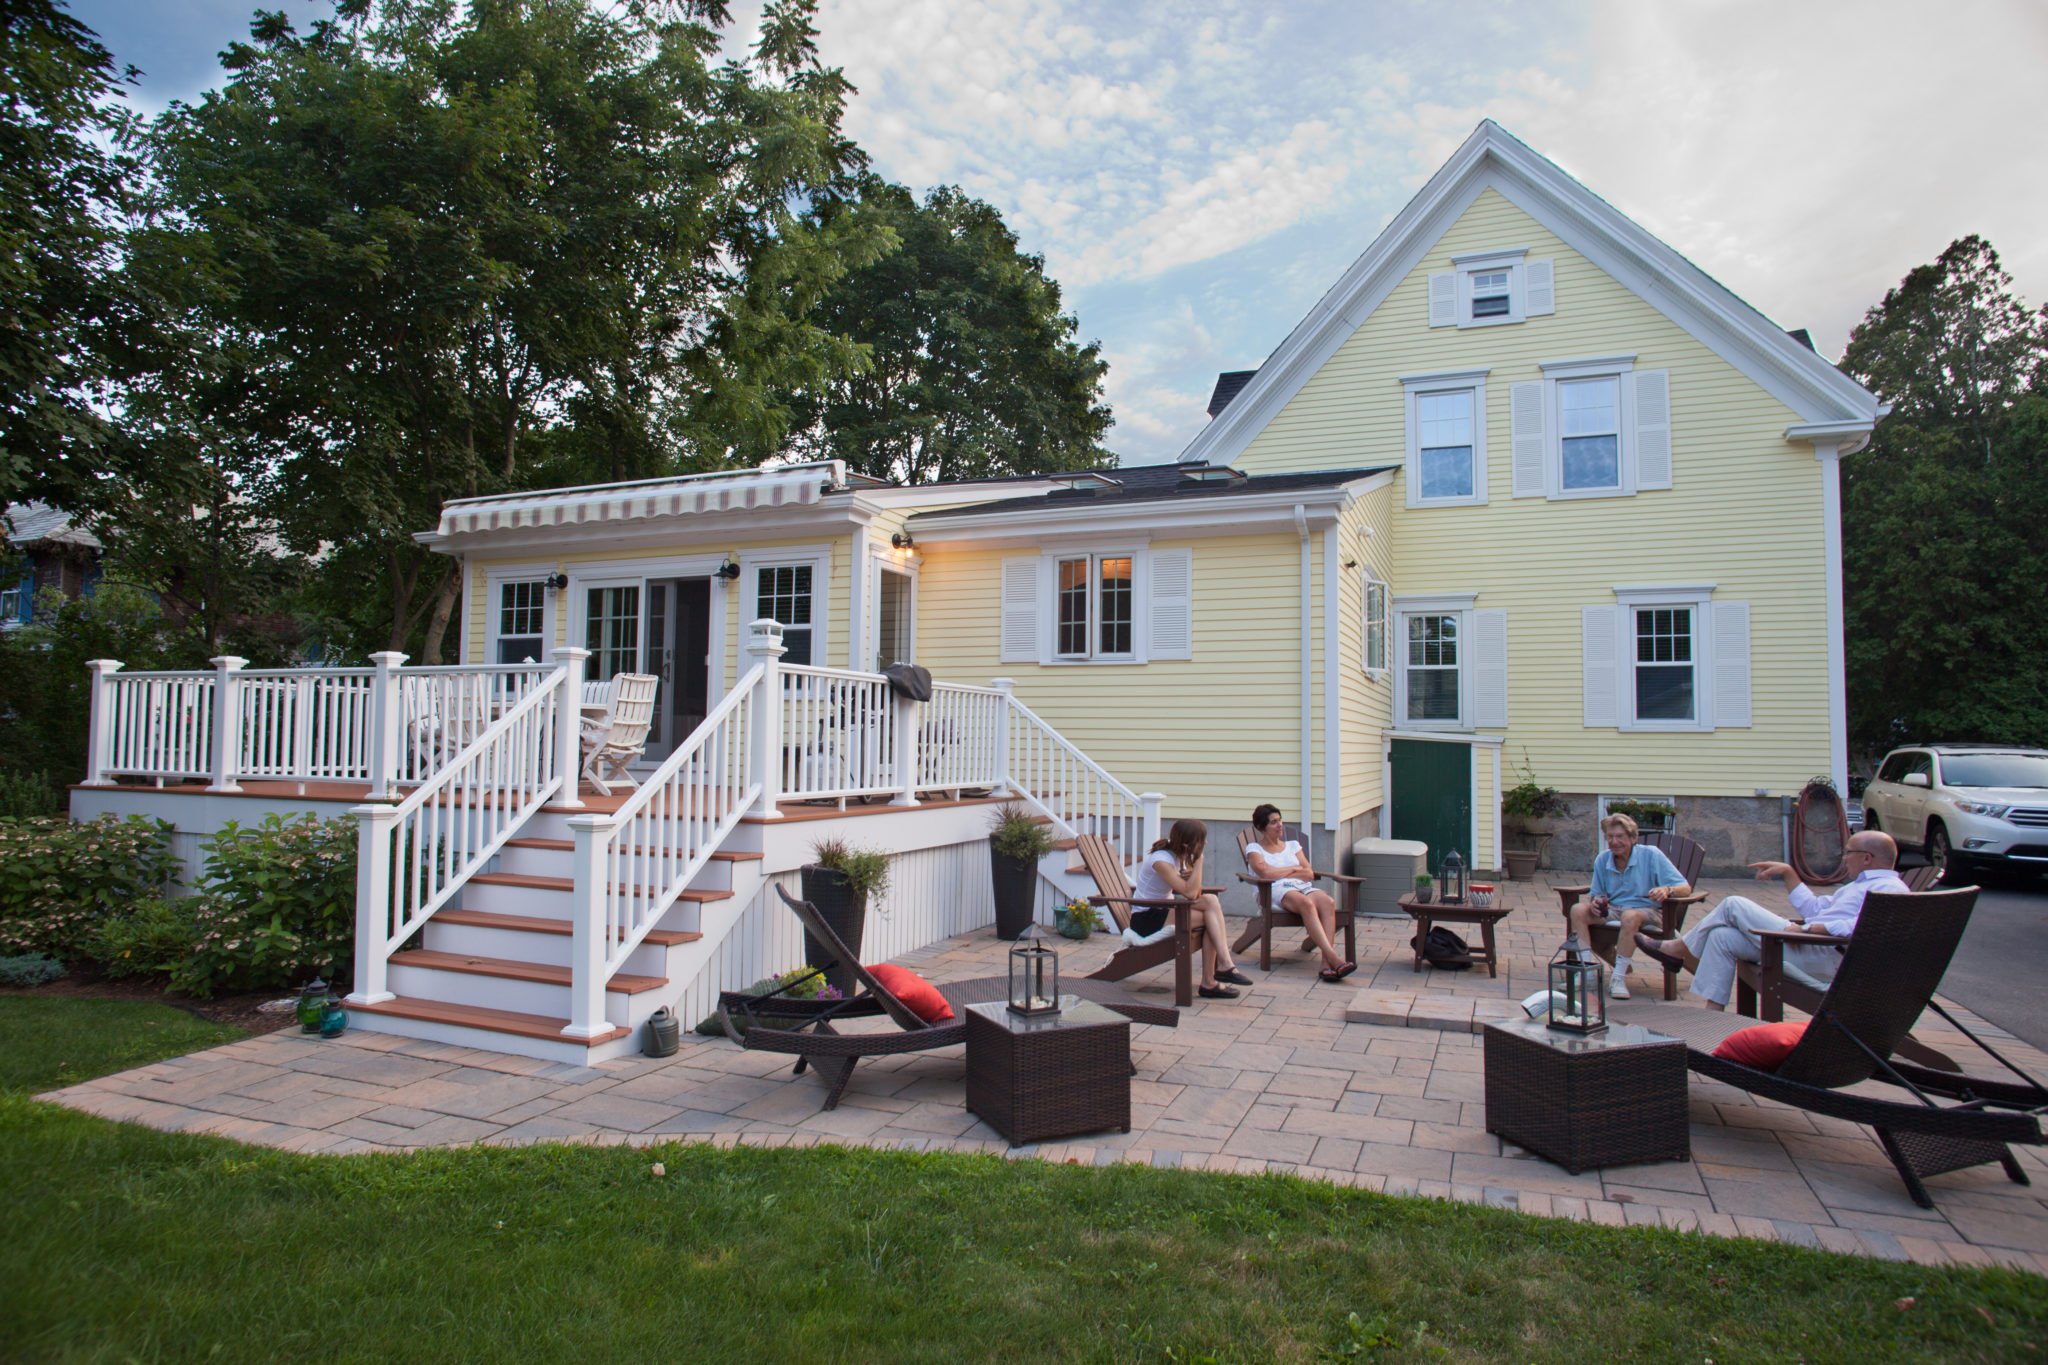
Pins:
x: 1735, y: 831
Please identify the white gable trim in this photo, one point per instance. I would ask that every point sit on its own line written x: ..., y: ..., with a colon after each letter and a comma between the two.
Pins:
x: 1492, y: 159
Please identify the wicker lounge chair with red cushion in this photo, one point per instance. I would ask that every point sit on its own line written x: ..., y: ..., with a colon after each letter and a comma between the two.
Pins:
x: 1259, y: 928
x: 1687, y: 856
x: 1943, y: 1120
x: 774, y: 1022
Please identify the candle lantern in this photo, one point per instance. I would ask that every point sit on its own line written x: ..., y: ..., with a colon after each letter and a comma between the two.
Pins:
x: 1450, y: 879
x: 1578, y: 1002
x: 312, y: 1001
x: 1034, y: 975
x: 333, y: 1018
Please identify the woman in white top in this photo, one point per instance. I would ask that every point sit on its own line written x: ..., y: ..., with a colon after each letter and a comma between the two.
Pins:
x: 1272, y: 854
x: 1173, y: 871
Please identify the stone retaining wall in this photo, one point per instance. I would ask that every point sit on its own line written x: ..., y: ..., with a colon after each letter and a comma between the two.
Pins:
x: 1735, y: 831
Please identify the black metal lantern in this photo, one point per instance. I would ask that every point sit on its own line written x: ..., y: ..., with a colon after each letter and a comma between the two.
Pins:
x: 1578, y: 998
x: 312, y: 1002
x: 1034, y: 975
x: 1450, y: 879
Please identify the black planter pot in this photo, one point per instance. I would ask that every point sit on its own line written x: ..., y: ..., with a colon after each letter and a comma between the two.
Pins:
x: 847, y: 913
x: 1016, y: 885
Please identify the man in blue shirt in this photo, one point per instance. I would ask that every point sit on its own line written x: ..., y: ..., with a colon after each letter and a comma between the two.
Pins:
x: 1630, y: 881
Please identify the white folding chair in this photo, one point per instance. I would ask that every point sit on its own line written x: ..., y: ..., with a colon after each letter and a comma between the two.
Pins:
x: 609, y: 747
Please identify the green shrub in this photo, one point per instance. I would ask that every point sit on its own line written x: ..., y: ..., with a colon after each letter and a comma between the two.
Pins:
x: 1015, y: 832
x: 30, y: 969
x: 809, y: 984
x: 278, y: 906
x: 28, y: 796
x: 149, y: 940
x: 59, y: 880
x: 866, y: 869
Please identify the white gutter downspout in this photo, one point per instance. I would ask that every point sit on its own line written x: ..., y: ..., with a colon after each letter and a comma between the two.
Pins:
x: 1307, y: 663
x: 1333, y: 798
x: 1830, y: 457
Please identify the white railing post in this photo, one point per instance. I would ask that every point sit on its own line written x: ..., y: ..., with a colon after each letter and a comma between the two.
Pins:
x: 384, y: 708
x: 569, y: 727
x: 909, y: 721
x: 764, y: 733
x: 99, y: 741
x: 1148, y: 805
x: 587, y: 943
x: 1006, y: 786
x: 227, y: 722
x: 374, y: 825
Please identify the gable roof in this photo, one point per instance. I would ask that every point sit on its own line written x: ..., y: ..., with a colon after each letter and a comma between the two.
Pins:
x: 37, y: 523
x: 1492, y: 158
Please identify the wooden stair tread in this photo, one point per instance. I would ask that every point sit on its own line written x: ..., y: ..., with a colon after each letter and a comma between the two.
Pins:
x: 569, y: 846
x: 534, y: 883
x: 625, y: 983
x: 478, y: 1017
x: 533, y: 924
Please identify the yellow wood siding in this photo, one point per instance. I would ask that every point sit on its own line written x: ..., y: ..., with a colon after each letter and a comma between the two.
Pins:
x: 1365, y: 701
x: 1744, y: 514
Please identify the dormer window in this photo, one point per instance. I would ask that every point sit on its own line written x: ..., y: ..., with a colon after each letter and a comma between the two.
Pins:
x: 1490, y: 293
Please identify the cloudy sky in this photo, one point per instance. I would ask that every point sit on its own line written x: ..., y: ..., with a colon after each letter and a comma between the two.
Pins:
x: 1197, y: 174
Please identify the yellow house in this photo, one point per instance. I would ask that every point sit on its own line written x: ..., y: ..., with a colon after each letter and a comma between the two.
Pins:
x: 1525, y: 495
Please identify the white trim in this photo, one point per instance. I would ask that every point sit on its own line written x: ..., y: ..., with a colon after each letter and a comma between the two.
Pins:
x: 1853, y: 435
x: 1576, y: 372
x: 1301, y: 525
x: 1508, y: 263
x: 1587, y: 367
x: 1626, y: 593
x: 470, y: 588
x: 1332, y: 680
x: 1367, y: 583
x: 1830, y: 460
x: 859, y: 609
x: 1448, y: 737
x: 1444, y: 379
x: 494, y: 581
x: 1179, y: 518
x: 1510, y: 255
x: 1498, y: 862
x: 1414, y: 387
x: 819, y: 557
x: 1699, y: 601
x: 884, y: 563
x: 1434, y: 602
x: 1458, y: 605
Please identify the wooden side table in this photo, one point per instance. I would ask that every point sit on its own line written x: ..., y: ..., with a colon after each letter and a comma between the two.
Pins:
x: 1427, y: 913
x: 1050, y: 1076
x: 1602, y: 1099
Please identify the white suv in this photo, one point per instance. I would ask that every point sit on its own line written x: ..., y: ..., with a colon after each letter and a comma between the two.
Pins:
x: 1963, y: 802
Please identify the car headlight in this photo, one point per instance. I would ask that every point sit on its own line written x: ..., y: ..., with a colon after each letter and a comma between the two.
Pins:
x: 1979, y: 808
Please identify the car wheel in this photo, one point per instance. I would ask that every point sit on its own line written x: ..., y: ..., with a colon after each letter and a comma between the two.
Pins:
x: 1942, y: 855
x: 1869, y: 818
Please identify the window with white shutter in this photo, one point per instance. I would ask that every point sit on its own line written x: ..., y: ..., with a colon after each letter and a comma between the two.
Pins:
x: 1603, y: 429
x: 1450, y: 663
x: 1109, y: 606
x: 1446, y: 434
x: 1020, y: 609
x: 1666, y: 658
x: 1492, y: 288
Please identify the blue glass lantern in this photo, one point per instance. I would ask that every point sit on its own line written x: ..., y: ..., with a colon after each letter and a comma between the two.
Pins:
x: 333, y: 1018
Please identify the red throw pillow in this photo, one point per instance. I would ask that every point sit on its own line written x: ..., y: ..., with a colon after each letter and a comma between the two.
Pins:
x: 918, y: 995
x: 1762, y: 1046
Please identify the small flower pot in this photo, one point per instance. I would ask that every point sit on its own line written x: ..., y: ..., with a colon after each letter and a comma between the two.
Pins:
x: 1423, y: 895
x: 1521, y: 863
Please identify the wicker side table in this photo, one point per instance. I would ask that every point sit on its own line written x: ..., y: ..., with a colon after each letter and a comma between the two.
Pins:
x: 1051, y: 1076
x: 1602, y: 1100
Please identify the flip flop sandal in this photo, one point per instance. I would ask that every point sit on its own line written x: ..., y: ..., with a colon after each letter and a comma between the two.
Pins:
x: 1332, y: 976
x: 1216, y: 992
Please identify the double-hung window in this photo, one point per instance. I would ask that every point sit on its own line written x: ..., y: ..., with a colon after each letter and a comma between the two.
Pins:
x: 1665, y: 665
x: 522, y: 607
x: 1375, y: 625
x: 1430, y: 668
x: 1450, y: 663
x: 1593, y: 427
x: 1589, y: 430
x: 1446, y: 424
x: 1667, y: 658
x: 1489, y: 288
x: 1095, y: 605
x: 782, y: 593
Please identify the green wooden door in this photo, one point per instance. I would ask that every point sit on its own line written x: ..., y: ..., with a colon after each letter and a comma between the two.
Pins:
x: 1432, y: 797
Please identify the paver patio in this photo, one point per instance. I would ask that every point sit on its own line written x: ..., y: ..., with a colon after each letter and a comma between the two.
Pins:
x: 1375, y: 1083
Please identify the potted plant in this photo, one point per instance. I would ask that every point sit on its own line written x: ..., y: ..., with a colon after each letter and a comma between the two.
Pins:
x: 1078, y: 919
x: 1529, y: 813
x: 1016, y: 843
x: 1648, y: 815
x: 1425, y: 887
x: 841, y: 880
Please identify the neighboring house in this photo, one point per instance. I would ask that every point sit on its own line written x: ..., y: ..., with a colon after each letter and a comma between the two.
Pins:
x: 1525, y: 492
x: 56, y: 554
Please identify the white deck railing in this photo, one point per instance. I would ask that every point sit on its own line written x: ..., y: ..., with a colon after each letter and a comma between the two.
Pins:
x: 960, y: 743
x: 306, y: 723
x: 1078, y: 794
x: 838, y: 734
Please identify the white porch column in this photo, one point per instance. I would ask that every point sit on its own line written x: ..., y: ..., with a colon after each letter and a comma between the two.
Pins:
x: 1148, y: 804
x: 374, y: 825
x: 227, y: 722
x: 589, y: 933
x: 1008, y: 687
x: 909, y: 725
x: 764, y: 728
x: 384, y: 708
x: 569, y: 727
x: 99, y: 742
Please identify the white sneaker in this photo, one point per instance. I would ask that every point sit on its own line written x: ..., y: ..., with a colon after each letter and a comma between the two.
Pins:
x: 1617, y: 986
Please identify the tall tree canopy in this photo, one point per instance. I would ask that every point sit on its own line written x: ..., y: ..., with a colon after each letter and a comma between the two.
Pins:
x: 1945, y: 538
x: 62, y: 197
x: 431, y: 249
x: 973, y: 369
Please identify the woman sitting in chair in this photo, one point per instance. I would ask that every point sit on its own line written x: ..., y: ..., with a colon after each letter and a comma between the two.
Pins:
x: 1631, y: 882
x: 1173, y: 870
x: 1272, y: 854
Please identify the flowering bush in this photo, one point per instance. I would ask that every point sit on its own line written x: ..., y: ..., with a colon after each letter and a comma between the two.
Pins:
x: 149, y: 940
x: 278, y: 906
x: 59, y: 880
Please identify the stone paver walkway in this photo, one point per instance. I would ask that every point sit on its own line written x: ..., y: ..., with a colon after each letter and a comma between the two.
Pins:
x: 1376, y: 1083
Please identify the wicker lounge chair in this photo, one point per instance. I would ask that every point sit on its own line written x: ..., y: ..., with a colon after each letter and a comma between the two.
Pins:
x: 774, y: 1022
x: 1888, y: 976
x: 1177, y: 943
x: 1685, y: 855
x: 1259, y: 929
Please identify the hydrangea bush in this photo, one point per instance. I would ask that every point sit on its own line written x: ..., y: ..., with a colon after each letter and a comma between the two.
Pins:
x: 277, y: 906
x: 59, y: 881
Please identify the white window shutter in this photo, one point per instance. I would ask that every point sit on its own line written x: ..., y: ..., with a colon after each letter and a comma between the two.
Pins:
x: 1539, y: 288
x: 1653, y: 428
x: 1171, y: 631
x: 1020, y: 609
x: 1530, y: 441
x: 1443, y: 298
x: 1600, y: 631
x: 1731, y: 664
x: 1490, y: 669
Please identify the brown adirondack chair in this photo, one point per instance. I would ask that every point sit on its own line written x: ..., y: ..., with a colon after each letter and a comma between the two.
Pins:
x: 1686, y: 855
x: 1259, y: 929
x: 1114, y: 893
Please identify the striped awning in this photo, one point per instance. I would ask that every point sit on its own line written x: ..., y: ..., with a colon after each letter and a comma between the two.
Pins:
x: 695, y: 493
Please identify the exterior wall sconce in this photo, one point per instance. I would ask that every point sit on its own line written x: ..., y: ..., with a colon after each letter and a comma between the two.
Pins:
x: 556, y: 582
x: 902, y: 540
x: 728, y: 570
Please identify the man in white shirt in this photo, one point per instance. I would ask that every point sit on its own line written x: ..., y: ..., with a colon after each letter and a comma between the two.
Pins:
x: 1728, y: 935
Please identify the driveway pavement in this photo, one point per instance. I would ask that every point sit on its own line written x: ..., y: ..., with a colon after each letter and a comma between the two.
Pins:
x: 1376, y: 1083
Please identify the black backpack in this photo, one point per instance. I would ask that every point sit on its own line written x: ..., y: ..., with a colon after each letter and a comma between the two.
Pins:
x: 1446, y: 950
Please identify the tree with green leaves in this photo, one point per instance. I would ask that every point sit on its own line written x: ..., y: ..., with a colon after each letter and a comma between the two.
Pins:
x: 435, y: 250
x: 63, y: 195
x: 972, y: 369
x: 1945, y: 535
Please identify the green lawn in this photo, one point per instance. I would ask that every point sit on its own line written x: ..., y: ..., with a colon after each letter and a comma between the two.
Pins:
x: 126, y: 1243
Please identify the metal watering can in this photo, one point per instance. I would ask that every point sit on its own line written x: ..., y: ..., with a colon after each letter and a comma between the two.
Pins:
x: 664, y: 1032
